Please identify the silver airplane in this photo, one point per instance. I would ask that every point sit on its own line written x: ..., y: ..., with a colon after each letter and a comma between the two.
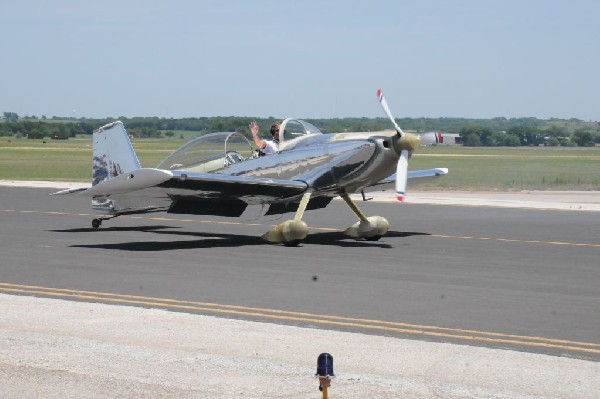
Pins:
x: 431, y: 138
x: 220, y: 174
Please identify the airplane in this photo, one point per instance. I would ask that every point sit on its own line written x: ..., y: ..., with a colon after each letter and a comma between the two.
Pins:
x: 431, y: 138
x: 220, y: 174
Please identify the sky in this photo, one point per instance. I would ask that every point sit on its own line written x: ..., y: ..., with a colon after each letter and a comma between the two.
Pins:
x: 304, y: 59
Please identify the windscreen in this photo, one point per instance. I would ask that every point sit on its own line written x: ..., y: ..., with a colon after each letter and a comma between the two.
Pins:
x: 209, y: 153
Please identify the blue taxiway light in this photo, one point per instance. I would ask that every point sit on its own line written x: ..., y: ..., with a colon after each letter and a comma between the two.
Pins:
x: 325, y: 365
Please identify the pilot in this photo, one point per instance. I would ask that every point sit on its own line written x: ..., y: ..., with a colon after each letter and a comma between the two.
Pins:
x: 266, y: 147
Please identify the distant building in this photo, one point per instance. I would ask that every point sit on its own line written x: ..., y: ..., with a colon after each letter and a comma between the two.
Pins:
x: 452, y: 138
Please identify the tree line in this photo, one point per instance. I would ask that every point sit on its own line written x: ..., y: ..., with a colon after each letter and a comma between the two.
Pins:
x: 474, y: 132
x: 476, y: 136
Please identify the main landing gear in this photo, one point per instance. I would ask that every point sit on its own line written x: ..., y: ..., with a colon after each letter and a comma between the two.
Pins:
x: 291, y: 232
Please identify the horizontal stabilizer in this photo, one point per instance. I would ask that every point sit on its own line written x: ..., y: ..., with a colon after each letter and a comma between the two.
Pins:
x: 124, y: 183
x: 70, y: 191
x: 415, y: 177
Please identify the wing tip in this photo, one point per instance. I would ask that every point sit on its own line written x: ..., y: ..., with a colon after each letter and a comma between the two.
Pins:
x: 399, y: 196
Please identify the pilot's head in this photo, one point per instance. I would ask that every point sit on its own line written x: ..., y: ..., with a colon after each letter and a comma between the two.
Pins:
x: 275, y: 130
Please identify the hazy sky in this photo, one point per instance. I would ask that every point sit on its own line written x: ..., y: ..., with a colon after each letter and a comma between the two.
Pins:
x: 311, y: 59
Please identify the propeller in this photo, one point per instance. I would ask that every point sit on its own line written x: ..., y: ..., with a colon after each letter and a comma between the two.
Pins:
x: 387, y: 111
x: 401, y: 175
x: 404, y: 143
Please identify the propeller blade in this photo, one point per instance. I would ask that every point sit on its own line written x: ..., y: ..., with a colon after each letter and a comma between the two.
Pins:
x: 387, y: 111
x: 403, y: 144
x: 401, y: 175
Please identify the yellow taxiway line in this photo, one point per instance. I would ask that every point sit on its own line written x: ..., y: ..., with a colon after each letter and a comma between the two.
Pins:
x: 573, y: 244
x: 330, y: 320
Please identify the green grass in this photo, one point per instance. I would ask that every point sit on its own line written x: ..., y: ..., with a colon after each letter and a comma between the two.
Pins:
x: 69, y: 160
x: 509, y: 169
x: 503, y: 169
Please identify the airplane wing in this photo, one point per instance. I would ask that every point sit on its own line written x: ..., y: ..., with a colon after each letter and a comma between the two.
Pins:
x: 197, y: 184
x: 415, y: 177
x: 248, y: 189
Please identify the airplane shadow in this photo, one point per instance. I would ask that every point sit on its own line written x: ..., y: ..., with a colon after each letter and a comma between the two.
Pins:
x: 221, y: 240
x: 104, y: 229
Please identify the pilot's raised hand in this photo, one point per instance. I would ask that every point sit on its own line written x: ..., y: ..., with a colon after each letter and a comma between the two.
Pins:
x: 257, y: 140
x: 253, y: 127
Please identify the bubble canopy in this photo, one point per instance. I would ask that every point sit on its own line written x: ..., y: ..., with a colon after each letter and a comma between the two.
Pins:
x: 209, y: 153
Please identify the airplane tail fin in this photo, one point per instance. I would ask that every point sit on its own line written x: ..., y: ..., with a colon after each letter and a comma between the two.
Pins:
x: 113, y: 153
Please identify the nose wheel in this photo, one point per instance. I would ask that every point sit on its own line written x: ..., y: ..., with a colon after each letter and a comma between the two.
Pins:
x: 368, y: 228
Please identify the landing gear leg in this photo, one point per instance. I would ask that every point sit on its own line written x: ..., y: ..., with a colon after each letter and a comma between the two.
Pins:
x: 291, y: 232
x: 370, y: 228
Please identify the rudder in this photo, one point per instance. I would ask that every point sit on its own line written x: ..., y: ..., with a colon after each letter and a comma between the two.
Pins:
x: 113, y: 153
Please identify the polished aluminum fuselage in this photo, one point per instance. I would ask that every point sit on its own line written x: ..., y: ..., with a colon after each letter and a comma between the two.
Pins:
x: 324, y: 164
x: 327, y: 163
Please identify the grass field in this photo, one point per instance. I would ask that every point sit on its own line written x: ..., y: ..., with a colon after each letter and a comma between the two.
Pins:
x: 504, y: 169
x: 510, y: 169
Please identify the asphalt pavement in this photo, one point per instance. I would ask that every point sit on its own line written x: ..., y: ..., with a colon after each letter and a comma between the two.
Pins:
x: 512, y: 281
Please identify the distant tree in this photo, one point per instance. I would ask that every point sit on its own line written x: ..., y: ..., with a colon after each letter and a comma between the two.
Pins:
x: 61, y: 133
x: 11, y: 117
x: 553, y: 142
x: 582, y: 138
x: 555, y: 131
x: 471, y: 140
x: 335, y: 127
x: 511, y: 140
x: 555, y: 136
x: 494, y: 139
x: 35, y: 134
x: 528, y: 135
x: 485, y: 136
